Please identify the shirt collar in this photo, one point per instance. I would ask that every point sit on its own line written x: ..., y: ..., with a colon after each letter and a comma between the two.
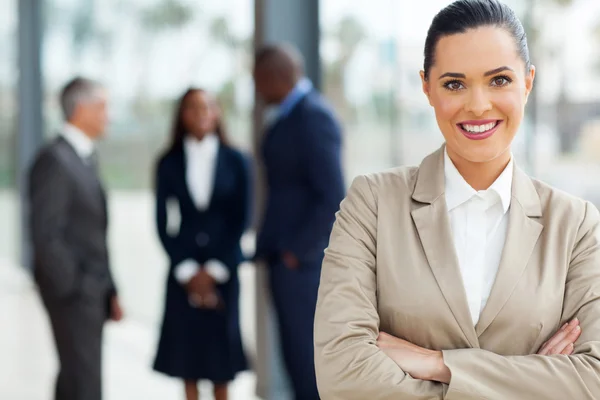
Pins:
x: 459, y: 191
x: 82, y: 143
x: 210, y: 143
x: 302, y: 88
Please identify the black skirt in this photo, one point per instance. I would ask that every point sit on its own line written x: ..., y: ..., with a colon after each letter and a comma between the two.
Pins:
x: 200, y: 344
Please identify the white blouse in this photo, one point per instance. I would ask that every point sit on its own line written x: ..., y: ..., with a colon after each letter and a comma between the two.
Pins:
x: 201, y: 163
x: 479, y: 222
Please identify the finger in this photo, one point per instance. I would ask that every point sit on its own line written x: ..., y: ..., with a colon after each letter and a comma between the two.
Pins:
x: 547, y: 342
x: 558, y: 337
x: 570, y: 339
x: 568, y: 350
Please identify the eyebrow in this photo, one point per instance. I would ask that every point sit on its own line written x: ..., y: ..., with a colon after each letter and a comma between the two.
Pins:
x: 488, y: 73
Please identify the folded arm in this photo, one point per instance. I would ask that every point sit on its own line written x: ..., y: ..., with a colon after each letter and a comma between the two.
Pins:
x: 478, y: 373
x: 349, y: 365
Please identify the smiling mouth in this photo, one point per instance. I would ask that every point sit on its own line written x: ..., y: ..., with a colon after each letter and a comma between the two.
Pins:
x: 474, y: 129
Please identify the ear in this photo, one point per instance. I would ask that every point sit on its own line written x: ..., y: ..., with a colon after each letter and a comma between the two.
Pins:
x: 529, y: 78
x: 426, y: 86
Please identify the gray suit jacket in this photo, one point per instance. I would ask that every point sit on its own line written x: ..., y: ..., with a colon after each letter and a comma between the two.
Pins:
x: 68, y: 222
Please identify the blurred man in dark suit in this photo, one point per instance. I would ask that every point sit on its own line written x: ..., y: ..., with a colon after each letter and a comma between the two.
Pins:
x: 302, y: 157
x: 68, y: 218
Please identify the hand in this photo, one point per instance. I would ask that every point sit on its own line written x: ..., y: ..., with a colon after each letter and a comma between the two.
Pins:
x: 563, y: 341
x: 290, y: 260
x: 116, y: 312
x: 210, y: 300
x: 201, y: 284
x: 418, y: 362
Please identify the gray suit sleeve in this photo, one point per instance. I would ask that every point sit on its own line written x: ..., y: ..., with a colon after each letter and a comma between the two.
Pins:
x: 50, y: 195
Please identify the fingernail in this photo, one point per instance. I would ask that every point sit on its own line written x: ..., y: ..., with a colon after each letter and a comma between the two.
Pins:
x: 576, y: 320
x: 564, y: 326
x: 577, y: 328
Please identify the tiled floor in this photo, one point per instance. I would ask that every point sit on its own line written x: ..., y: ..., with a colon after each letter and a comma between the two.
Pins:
x: 28, y: 364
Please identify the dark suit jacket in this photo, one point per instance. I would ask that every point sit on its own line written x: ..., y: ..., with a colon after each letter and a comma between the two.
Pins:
x: 302, y: 157
x: 68, y: 223
x: 215, y: 232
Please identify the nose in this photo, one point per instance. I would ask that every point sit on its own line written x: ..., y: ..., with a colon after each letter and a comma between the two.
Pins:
x: 478, y: 102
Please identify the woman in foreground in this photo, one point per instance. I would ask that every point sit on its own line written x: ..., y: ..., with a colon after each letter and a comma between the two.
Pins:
x: 463, y: 278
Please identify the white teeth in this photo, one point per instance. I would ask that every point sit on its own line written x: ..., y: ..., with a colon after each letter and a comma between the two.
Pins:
x: 479, y: 128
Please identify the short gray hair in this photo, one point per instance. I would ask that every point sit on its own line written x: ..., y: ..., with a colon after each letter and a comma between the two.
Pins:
x: 78, y: 90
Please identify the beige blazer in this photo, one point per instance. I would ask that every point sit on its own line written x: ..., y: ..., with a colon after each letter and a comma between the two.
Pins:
x: 391, y: 266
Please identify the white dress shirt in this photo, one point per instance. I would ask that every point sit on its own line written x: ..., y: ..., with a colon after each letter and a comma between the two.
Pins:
x: 201, y: 163
x: 479, y: 221
x: 82, y: 143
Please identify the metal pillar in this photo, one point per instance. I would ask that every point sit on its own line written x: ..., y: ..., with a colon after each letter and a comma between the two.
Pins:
x: 30, y: 121
x: 295, y: 22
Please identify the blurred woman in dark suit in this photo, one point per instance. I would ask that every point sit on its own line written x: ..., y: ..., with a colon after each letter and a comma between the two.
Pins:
x: 209, y: 181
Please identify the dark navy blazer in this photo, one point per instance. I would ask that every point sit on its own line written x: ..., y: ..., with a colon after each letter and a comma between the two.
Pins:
x: 302, y: 156
x: 215, y: 232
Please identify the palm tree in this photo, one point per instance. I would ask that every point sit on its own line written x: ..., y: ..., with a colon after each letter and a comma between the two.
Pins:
x: 533, y: 27
x: 348, y: 34
x: 596, y: 36
x: 166, y: 15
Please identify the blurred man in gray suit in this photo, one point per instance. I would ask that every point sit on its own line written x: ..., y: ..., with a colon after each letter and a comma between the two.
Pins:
x: 68, y: 220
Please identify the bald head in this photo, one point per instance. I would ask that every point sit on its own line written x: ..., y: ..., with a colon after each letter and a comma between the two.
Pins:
x: 277, y: 69
x: 281, y: 60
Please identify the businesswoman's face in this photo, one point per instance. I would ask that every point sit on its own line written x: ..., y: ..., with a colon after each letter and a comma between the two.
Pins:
x: 478, y: 86
x: 199, y: 114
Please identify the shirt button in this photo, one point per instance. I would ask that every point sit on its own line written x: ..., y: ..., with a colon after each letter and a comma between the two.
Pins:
x: 202, y: 239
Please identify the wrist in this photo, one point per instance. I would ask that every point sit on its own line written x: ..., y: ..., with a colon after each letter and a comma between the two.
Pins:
x: 441, y: 373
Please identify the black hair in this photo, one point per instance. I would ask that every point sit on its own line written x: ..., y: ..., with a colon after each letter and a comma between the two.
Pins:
x: 463, y: 15
x: 179, y: 130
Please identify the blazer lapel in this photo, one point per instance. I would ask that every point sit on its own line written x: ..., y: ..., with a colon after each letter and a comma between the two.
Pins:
x: 216, y: 178
x: 87, y: 178
x: 433, y: 225
x: 521, y: 238
x: 183, y: 165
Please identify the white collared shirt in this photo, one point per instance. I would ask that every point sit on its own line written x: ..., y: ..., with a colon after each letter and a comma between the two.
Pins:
x: 274, y: 112
x: 201, y: 164
x: 82, y: 143
x: 479, y: 222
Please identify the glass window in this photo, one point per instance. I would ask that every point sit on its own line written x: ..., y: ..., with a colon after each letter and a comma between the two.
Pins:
x: 147, y: 53
x: 358, y: 44
x: 9, y: 215
x: 565, y: 114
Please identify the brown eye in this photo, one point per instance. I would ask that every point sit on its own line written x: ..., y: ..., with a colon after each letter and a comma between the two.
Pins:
x: 500, y: 81
x: 453, y: 85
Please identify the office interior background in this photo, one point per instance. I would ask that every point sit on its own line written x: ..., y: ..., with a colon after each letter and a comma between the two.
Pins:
x: 364, y: 55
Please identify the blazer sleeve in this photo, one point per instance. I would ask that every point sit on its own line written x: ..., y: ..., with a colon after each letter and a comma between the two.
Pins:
x: 240, y: 210
x: 349, y: 365
x: 478, y: 373
x: 323, y: 149
x: 164, y: 192
x: 49, y: 201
